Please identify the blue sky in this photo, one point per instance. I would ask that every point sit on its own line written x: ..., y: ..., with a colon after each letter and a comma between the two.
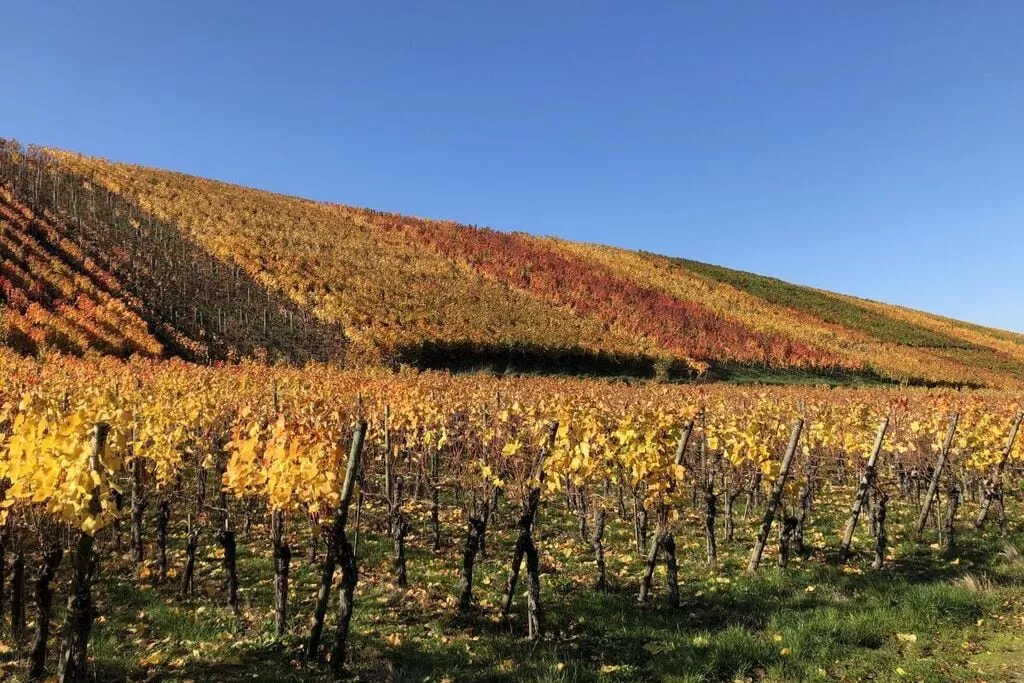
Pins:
x: 866, y: 148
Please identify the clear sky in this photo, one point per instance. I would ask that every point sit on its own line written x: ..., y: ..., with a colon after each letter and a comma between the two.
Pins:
x: 870, y: 148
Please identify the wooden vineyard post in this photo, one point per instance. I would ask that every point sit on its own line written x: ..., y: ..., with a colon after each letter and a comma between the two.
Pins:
x: 191, y: 545
x: 597, y: 542
x: 4, y: 541
x: 435, y: 497
x: 394, y: 489
x: 710, y: 513
x: 282, y: 566
x: 668, y: 545
x: 336, y: 545
x: 995, y: 485
x: 162, y: 521
x: 346, y: 555
x: 933, y: 487
x: 661, y: 534
x: 949, y: 528
x: 138, y: 506
x: 475, y: 531
x: 730, y: 504
x: 399, y: 530
x: 524, y: 543
x: 866, y: 482
x: 387, y: 463
x: 881, y: 538
x: 776, y: 497
x: 652, y: 561
x: 44, y: 608
x: 710, y: 498
x: 18, y: 592
x: 73, y: 656
x: 785, y: 539
x: 226, y: 538
x: 804, y: 499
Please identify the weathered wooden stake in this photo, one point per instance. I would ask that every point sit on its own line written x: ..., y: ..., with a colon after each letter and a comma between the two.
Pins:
x: 44, y: 608
x: 337, y: 544
x: 282, y: 567
x: 597, y: 541
x: 226, y: 537
x: 805, y: 496
x: 435, y: 497
x: 995, y: 485
x: 649, y: 565
x: 730, y: 505
x: 191, y: 545
x: 661, y: 532
x: 18, y: 594
x: 534, y: 610
x: 524, y: 542
x: 785, y: 539
x: 81, y: 612
x: 952, y: 505
x: 933, y: 487
x: 866, y: 482
x: 710, y: 513
x: 399, y: 530
x: 776, y: 498
x: 668, y: 546
x: 138, y: 504
x: 163, y: 519
x: 881, y: 539
x: 474, y: 532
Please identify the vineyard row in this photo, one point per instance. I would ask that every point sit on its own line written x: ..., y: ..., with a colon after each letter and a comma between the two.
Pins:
x: 88, y: 447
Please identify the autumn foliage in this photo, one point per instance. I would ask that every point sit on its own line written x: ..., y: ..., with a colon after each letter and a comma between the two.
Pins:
x: 57, y: 298
x: 684, y: 328
x: 438, y: 294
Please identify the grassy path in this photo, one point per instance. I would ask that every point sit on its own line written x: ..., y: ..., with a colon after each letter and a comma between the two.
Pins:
x: 923, y: 618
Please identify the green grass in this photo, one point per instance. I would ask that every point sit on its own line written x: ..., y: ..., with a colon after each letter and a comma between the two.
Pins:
x: 749, y: 374
x: 984, y: 358
x: 829, y: 308
x: 918, y: 619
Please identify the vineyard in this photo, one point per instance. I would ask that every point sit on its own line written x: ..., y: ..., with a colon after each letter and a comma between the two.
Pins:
x: 232, y: 447
x: 183, y: 522
x: 86, y: 270
x: 406, y: 291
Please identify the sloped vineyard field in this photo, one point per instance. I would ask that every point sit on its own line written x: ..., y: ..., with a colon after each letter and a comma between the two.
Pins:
x: 166, y: 520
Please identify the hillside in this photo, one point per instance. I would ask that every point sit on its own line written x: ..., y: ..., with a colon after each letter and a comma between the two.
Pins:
x: 86, y: 270
x: 55, y: 296
x: 256, y: 273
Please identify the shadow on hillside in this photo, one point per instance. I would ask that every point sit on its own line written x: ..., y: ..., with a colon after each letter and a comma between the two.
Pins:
x: 200, y: 306
x: 524, y: 359
x: 535, y: 360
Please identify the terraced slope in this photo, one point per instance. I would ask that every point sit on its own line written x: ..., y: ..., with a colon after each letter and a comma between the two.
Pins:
x: 401, y: 297
x: 55, y: 297
x: 686, y: 328
x: 896, y: 341
x: 435, y: 293
x: 829, y: 308
x: 83, y: 270
x: 397, y: 301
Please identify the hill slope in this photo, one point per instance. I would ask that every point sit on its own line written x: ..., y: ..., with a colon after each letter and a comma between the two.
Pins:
x: 87, y: 270
x: 435, y: 293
